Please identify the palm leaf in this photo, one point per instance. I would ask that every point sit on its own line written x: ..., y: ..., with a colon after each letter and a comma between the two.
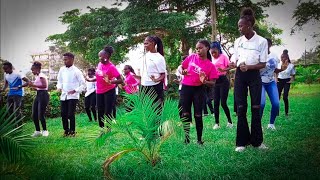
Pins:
x: 111, y: 159
x: 14, y: 141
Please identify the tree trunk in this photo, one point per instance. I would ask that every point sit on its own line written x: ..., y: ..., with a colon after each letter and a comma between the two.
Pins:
x: 214, y: 20
x: 185, y: 47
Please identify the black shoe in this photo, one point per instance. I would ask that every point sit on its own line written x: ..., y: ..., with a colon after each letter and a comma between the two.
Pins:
x: 66, y: 133
x: 72, y: 134
x: 200, y: 142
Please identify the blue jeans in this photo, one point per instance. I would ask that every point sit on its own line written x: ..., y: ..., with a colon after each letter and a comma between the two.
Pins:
x: 272, y: 90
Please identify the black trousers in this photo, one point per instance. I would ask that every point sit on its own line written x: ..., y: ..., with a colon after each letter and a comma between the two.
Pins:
x: 221, y: 91
x: 158, y: 89
x: 106, y: 104
x: 285, y: 86
x: 39, y: 109
x: 208, y: 97
x: 243, y: 80
x: 68, y: 109
x: 14, y: 103
x: 192, y: 95
x: 90, y: 106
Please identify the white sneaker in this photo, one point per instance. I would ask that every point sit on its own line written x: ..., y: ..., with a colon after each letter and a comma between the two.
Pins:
x: 36, y: 134
x: 262, y: 147
x: 45, y: 133
x: 230, y: 125
x: 216, y: 126
x: 240, y: 148
x: 271, y: 126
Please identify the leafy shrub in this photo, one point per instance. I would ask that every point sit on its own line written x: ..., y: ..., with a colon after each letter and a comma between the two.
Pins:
x: 308, y: 74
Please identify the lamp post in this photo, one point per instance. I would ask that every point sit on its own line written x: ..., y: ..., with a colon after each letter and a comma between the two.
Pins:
x: 305, y: 51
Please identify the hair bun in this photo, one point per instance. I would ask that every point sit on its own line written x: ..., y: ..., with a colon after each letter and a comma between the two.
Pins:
x: 37, y: 63
x: 285, y: 51
x: 247, y: 12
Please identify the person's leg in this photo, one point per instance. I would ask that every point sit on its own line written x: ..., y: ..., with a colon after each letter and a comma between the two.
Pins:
x: 64, y: 116
x: 241, y: 93
x: 285, y: 97
x: 87, y: 106
x: 224, y: 91
x: 110, y: 105
x: 272, y: 91
x: 280, y: 85
x: 17, y: 103
x: 101, y: 108
x: 72, y: 104
x: 114, y: 109
x: 93, y: 103
x: 204, y: 104
x: 263, y: 99
x: 198, y: 99
x: 42, y: 106
x: 186, y: 102
x: 216, y: 103
x: 255, y: 87
x: 35, y: 113
x: 180, y: 105
x: 10, y: 104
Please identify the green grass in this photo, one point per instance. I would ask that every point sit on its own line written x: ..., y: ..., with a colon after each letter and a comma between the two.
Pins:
x: 294, y: 149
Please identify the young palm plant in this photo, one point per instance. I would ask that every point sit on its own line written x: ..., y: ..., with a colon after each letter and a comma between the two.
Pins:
x: 14, y: 144
x: 146, y: 125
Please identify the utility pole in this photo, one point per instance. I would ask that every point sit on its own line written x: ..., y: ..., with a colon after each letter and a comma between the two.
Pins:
x: 305, y: 51
x: 214, y: 20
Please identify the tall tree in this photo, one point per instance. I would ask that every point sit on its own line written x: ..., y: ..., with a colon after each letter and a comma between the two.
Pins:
x: 177, y: 22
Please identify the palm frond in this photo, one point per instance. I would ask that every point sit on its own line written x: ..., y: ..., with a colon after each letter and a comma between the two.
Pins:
x: 14, y: 141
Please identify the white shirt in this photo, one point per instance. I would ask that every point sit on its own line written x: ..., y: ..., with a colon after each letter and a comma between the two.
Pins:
x: 70, y: 79
x: 90, y: 87
x: 152, y: 64
x: 179, y: 75
x: 250, y: 51
x: 286, y: 74
x: 267, y: 73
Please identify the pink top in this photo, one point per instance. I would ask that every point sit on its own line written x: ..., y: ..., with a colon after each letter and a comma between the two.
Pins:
x: 195, y: 65
x: 105, y: 69
x: 221, y: 62
x: 38, y: 82
x: 131, y: 84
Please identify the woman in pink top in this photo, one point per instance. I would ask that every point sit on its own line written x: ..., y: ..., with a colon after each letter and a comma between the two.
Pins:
x: 107, y: 77
x: 198, y: 71
x: 221, y: 89
x: 41, y: 101
x: 131, y: 85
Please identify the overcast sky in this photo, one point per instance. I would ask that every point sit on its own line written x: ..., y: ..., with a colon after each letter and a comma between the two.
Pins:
x: 25, y: 24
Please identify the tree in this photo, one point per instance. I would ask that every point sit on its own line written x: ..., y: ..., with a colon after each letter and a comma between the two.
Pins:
x: 305, y: 13
x: 177, y: 22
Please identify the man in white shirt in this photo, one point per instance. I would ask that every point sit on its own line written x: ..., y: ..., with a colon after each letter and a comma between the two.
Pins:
x: 70, y: 83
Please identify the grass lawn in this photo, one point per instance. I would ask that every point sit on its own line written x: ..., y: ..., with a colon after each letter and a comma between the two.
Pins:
x: 294, y: 149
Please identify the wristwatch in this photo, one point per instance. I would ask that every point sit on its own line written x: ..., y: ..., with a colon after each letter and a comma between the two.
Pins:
x: 19, y: 86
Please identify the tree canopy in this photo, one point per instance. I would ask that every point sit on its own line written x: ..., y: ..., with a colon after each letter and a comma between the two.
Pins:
x: 180, y: 23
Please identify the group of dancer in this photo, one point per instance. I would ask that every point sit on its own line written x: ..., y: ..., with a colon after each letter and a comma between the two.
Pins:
x: 205, y: 69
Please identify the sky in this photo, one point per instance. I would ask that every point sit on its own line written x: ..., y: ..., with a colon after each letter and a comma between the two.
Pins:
x: 25, y: 24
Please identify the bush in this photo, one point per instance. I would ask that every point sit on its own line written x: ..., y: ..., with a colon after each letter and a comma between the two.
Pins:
x: 308, y: 74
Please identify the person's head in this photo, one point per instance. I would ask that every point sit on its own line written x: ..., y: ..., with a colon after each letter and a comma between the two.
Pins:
x: 285, y: 56
x: 105, y: 54
x: 68, y: 59
x: 269, y: 44
x: 7, y: 67
x: 36, y: 68
x: 215, y: 49
x: 127, y: 69
x: 246, y: 21
x: 203, y: 49
x: 153, y: 44
x: 91, y: 72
